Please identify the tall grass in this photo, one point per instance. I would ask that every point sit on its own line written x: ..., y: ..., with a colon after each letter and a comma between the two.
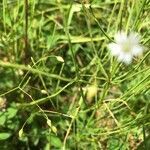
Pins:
x: 60, y: 88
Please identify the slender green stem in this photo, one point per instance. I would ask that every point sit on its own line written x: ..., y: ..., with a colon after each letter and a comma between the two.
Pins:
x: 34, y: 71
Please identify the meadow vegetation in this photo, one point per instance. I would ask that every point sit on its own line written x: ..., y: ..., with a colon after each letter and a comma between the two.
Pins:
x: 60, y: 87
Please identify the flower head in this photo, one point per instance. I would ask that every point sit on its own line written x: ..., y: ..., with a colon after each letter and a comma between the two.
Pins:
x: 126, y: 47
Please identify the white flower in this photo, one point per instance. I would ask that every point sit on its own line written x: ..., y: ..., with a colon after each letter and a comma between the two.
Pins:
x: 126, y: 47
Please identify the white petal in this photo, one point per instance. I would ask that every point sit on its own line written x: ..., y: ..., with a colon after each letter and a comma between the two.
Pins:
x: 137, y: 50
x: 125, y: 57
x: 114, y: 48
x: 120, y: 37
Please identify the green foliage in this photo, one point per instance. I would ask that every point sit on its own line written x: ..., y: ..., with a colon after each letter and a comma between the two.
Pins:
x: 60, y: 88
x: 4, y: 136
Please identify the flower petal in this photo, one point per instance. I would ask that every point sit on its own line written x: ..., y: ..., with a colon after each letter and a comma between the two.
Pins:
x: 114, y: 48
x: 137, y: 50
x: 125, y: 57
x: 120, y: 37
